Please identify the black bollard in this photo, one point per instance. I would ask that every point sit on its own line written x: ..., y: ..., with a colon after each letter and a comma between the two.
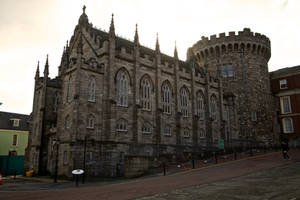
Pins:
x: 235, y: 155
x: 164, y: 167
x: 193, y: 164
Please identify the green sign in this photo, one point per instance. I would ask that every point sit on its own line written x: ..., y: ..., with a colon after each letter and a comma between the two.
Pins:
x: 221, y: 144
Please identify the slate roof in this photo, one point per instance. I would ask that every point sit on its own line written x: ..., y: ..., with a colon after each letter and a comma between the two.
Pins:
x: 287, y: 71
x: 6, y: 121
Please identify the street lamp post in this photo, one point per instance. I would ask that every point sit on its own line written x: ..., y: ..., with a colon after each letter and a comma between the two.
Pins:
x: 56, y: 160
x: 84, y: 154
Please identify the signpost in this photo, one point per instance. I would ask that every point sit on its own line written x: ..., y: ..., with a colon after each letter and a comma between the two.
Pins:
x: 221, y: 144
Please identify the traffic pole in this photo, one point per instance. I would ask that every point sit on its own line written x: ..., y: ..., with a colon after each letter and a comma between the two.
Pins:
x: 0, y: 178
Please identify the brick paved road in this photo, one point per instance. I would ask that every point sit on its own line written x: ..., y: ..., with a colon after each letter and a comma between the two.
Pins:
x: 152, y: 186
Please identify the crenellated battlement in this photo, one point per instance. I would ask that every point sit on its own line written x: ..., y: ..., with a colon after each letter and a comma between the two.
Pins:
x: 242, y: 41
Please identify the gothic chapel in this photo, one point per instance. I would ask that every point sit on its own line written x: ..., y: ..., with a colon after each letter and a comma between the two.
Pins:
x: 116, y: 103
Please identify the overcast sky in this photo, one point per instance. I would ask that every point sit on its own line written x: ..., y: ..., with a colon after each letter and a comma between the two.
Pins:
x: 31, y: 29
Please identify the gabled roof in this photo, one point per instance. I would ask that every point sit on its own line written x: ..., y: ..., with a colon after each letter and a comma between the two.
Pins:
x: 6, y: 121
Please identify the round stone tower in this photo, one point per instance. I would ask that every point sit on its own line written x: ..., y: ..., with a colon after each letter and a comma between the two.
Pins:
x: 241, y: 60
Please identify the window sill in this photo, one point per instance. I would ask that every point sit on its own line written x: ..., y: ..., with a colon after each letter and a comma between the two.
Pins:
x: 92, y: 101
x: 91, y: 128
x: 123, y: 106
x: 123, y: 131
x: 167, y: 135
x: 165, y: 113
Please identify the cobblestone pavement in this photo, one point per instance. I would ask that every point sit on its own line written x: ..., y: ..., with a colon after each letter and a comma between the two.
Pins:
x: 278, y: 183
x: 261, y: 177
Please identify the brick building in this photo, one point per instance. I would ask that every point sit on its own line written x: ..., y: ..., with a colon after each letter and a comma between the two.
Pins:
x: 286, y: 87
x: 116, y: 102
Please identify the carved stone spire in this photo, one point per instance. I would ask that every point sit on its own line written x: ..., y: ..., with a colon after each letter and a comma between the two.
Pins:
x: 157, y: 44
x: 83, y: 9
x: 136, y: 36
x: 46, y: 70
x: 37, y: 73
x: 112, y: 27
x: 83, y: 19
x: 175, y: 51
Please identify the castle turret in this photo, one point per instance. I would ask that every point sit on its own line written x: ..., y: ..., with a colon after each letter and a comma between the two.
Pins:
x: 242, y: 61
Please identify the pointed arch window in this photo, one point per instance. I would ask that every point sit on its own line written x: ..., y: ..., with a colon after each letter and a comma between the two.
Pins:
x: 166, y: 98
x: 147, y: 128
x: 146, y: 94
x: 201, y: 133
x: 184, y: 102
x: 67, y: 122
x: 213, y: 107
x: 91, y: 122
x: 122, y: 88
x: 69, y: 90
x: 92, y: 90
x: 186, y: 133
x: 200, y: 109
x: 122, y: 125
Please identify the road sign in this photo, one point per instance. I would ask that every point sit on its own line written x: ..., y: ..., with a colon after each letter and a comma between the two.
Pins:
x: 221, y: 144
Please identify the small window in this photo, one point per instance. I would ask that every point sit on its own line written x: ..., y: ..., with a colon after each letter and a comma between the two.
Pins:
x: 16, y: 122
x: 186, y: 133
x: 285, y: 105
x: 91, y: 122
x: 146, y: 128
x: 227, y: 71
x: 92, y: 90
x: 15, y: 140
x: 121, y: 125
x: 283, y: 84
x: 253, y: 116
x: 67, y: 122
x: 287, y: 125
x: 202, y: 133
x: 167, y: 131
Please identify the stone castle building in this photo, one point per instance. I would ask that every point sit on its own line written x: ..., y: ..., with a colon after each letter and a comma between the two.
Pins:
x: 115, y: 102
x: 242, y: 62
